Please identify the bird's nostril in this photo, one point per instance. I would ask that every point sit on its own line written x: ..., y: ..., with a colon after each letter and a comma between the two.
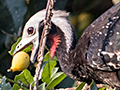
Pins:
x: 17, y: 46
x: 20, y: 44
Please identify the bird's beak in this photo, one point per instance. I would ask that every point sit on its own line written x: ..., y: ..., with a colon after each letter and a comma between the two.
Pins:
x: 26, y: 42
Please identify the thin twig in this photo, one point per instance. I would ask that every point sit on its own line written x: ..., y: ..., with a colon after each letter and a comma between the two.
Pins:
x: 46, y: 29
x: 15, y: 82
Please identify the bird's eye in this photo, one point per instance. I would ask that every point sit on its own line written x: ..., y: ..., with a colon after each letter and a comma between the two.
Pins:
x: 30, y: 30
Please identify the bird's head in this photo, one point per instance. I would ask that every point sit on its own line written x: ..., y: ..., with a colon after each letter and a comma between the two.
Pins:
x: 60, y: 39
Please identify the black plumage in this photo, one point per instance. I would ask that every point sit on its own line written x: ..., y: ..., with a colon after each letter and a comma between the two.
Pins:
x: 96, y: 54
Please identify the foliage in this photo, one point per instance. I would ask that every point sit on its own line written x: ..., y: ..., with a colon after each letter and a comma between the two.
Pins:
x: 102, y: 88
x: 48, y: 67
x: 80, y: 87
x: 4, y: 85
x: 93, y: 86
x: 28, y: 49
x: 50, y: 76
x: 42, y: 86
x: 25, y: 78
x: 13, y: 46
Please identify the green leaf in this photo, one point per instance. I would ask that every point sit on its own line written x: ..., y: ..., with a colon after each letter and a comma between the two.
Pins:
x: 41, y: 87
x: 102, y: 88
x: 48, y: 67
x: 28, y: 76
x: 27, y: 49
x: 14, y: 46
x: 25, y: 77
x: 93, y: 86
x: 56, y: 79
x: 80, y: 87
x: 4, y: 85
x: 53, y: 71
x: 43, y: 65
x: 16, y: 87
x: 47, y: 57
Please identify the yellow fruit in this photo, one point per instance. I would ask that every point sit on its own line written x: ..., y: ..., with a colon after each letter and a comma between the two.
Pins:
x: 20, y: 61
x: 20, y: 89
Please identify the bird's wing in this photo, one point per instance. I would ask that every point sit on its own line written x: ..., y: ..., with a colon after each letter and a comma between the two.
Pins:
x: 103, y: 49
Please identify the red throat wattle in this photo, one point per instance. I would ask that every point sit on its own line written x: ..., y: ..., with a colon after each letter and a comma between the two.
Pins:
x: 32, y: 48
x: 54, y: 42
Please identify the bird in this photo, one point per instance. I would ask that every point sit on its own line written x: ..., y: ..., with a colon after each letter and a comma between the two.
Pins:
x: 96, y: 55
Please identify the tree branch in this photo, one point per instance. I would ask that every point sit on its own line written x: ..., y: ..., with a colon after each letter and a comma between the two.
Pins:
x: 46, y: 30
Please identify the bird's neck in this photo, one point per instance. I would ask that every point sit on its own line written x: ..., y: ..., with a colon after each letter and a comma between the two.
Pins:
x: 72, y: 59
x: 64, y: 61
x: 64, y: 57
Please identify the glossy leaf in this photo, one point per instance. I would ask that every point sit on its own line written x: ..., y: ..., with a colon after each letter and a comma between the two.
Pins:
x: 27, y: 49
x: 4, y: 85
x: 42, y: 68
x: 53, y: 71
x: 80, y: 87
x: 102, y: 88
x: 93, y: 86
x: 16, y: 87
x: 25, y: 77
x: 48, y: 67
x: 28, y: 76
x: 41, y: 87
x: 14, y: 46
x: 56, y: 79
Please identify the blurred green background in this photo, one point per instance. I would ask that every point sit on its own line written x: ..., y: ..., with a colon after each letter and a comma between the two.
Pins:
x: 15, y: 13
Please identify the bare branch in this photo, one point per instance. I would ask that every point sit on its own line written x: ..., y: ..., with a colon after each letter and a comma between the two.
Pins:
x: 46, y: 29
